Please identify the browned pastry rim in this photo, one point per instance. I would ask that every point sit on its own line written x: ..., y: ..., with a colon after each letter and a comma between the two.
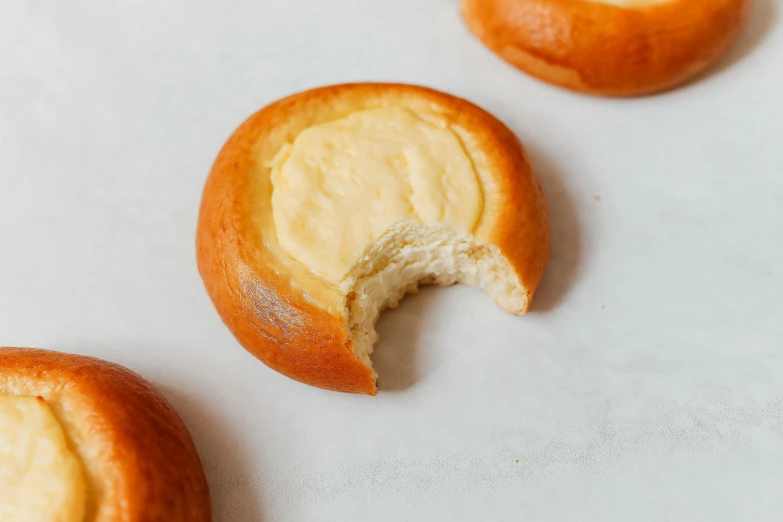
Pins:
x: 139, y: 459
x: 604, y: 49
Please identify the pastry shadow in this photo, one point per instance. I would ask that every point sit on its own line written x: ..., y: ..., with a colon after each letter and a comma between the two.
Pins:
x: 234, y: 489
x: 399, y: 330
x: 566, y: 251
x: 761, y: 19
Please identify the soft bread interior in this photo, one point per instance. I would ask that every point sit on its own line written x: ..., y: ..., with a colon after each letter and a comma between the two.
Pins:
x: 410, y: 254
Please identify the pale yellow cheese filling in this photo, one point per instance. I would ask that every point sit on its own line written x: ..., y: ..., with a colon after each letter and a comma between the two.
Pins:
x: 340, y: 185
x: 41, y: 479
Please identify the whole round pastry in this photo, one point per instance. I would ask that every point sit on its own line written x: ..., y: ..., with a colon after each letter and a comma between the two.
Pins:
x: 326, y: 207
x: 608, y: 47
x: 85, y: 440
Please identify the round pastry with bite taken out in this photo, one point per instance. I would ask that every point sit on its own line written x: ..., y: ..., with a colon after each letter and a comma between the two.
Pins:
x: 328, y: 206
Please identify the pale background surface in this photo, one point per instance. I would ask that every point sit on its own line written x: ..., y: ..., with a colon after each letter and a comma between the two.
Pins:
x: 646, y: 384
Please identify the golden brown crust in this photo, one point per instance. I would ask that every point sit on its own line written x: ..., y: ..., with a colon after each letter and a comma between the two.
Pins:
x: 294, y: 322
x: 139, y: 459
x: 604, y: 49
